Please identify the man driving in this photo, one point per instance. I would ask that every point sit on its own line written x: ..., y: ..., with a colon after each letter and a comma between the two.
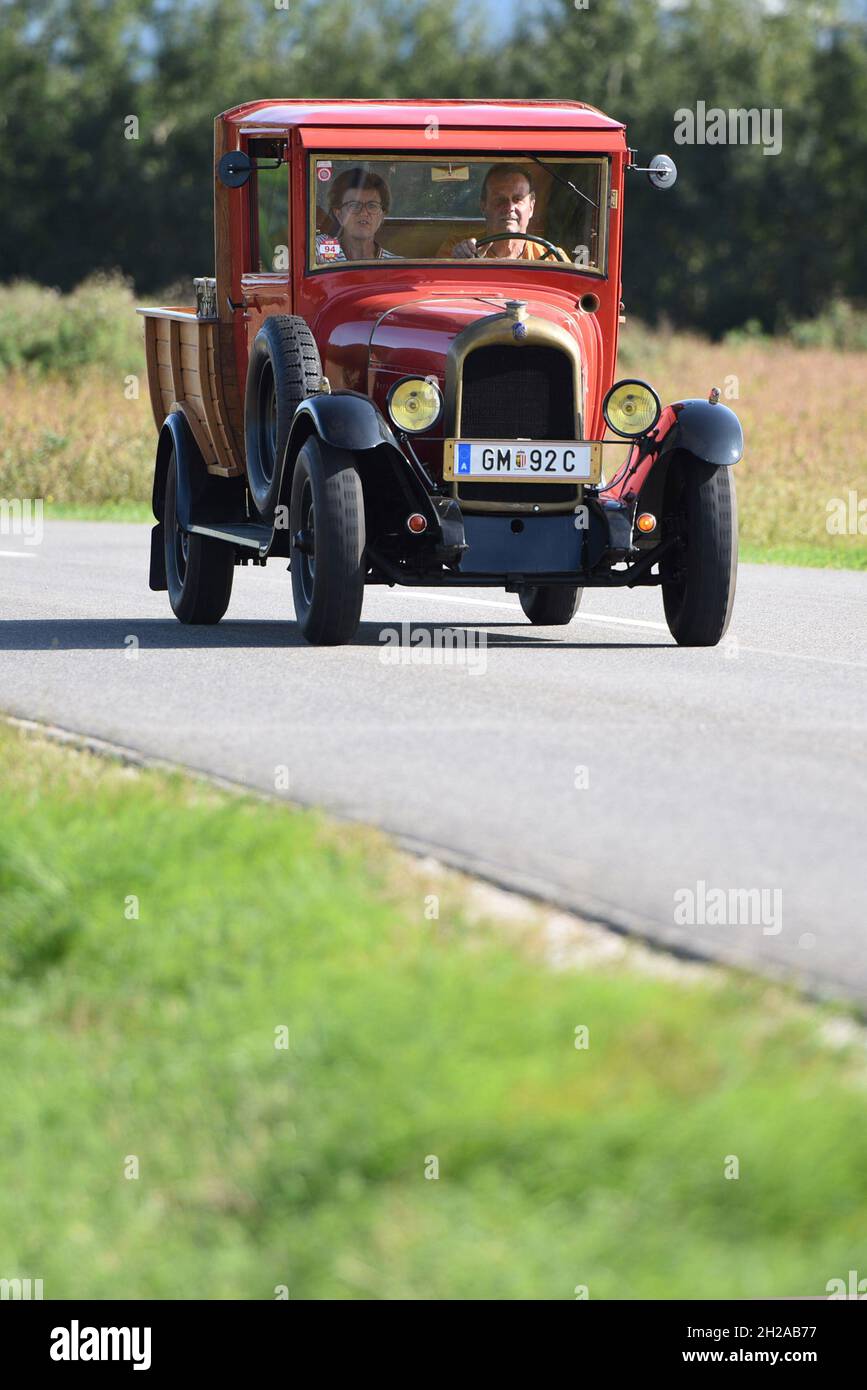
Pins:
x: 507, y: 203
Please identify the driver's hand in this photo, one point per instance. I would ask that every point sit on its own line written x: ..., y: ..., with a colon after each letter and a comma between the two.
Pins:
x: 465, y: 248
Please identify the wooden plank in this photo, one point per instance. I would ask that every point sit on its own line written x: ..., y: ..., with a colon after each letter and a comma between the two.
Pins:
x: 163, y: 329
x: 156, y: 398
x: 228, y: 394
x: 192, y: 383
x: 189, y: 357
x: 166, y: 379
x: 175, y: 353
x: 188, y: 334
x: 163, y: 354
x: 197, y: 404
x: 211, y: 401
x: 198, y: 431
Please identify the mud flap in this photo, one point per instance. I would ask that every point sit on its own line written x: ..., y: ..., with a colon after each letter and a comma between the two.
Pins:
x: 158, y: 558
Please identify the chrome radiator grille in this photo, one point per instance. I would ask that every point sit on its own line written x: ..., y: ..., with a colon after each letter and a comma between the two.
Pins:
x: 521, y: 392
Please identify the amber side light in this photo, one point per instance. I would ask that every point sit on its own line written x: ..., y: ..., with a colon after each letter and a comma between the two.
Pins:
x: 646, y: 523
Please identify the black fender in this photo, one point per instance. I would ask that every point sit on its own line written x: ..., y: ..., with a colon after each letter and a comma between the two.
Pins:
x: 701, y: 432
x: 350, y: 420
x: 344, y: 419
x: 710, y: 433
x: 202, y: 497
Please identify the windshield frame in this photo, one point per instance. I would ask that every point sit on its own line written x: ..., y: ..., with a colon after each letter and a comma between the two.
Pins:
x: 600, y: 272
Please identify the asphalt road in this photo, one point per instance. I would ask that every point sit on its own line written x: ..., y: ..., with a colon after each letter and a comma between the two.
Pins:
x: 597, y: 765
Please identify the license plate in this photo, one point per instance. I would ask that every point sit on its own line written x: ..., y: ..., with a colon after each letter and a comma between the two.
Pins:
x: 533, y: 461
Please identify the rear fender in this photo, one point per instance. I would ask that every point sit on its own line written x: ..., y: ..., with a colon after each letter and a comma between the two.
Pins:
x: 202, y: 497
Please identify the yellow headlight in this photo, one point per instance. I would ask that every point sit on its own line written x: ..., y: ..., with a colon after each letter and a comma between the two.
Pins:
x: 631, y: 408
x: 415, y: 404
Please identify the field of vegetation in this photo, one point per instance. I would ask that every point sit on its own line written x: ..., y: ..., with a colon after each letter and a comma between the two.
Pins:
x: 78, y: 430
x: 246, y: 1056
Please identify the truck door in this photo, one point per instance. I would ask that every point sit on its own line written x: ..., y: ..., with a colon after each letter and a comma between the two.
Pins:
x: 266, y: 280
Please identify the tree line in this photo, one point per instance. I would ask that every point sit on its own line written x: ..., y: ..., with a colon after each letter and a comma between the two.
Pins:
x: 106, y: 112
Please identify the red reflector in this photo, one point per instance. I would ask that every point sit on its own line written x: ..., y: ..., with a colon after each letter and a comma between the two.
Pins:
x: 416, y: 523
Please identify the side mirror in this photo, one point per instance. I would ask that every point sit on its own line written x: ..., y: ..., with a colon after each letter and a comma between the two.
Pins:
x: 234, y: 168
x: 662, y: 171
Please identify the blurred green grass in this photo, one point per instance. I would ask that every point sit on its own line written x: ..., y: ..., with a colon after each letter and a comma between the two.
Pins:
x: 408, y: 1038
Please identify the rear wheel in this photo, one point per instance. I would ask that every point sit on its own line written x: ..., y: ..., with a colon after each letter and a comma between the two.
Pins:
x: 699, y: 576
x: 284, y: 370
x: 326, y: 521
x: 199, y: 570
x: 550, y: 605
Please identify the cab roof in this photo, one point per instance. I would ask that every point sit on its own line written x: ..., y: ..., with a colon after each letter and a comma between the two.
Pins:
x: 273, y: 114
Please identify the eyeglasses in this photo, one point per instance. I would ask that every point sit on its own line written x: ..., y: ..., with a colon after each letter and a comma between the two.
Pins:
x: 354, y: 206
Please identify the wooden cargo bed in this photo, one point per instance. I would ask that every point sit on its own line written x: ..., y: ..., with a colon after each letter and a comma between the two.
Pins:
x: 191, y: 368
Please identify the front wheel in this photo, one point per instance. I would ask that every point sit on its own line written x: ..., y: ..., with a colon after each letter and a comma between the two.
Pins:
x: 550, y: 605
x: 699, y: 575
x: 199, y: 570
x: 326, y: 522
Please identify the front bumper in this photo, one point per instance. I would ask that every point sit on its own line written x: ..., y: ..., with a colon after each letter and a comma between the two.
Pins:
x: 580, y: 548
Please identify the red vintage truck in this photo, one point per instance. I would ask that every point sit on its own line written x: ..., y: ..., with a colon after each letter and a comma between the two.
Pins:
x: 403, y: 372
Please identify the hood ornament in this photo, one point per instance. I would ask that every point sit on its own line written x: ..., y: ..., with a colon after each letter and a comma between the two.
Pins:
x: 516, y: 310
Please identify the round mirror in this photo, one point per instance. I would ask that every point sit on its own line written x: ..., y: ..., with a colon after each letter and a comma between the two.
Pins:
x: 662, y: 171
x: 235, y: 168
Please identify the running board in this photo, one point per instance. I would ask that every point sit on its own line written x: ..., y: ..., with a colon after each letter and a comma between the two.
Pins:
x: 253, y: 535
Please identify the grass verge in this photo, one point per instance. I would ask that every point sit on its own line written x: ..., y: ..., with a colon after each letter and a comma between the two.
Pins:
x: 158, y: 934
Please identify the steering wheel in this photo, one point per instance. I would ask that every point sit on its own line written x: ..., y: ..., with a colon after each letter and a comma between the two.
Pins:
x: 551, y: 249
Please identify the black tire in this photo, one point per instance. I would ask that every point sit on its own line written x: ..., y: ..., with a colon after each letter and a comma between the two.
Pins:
x: 326, y: 523
x: 284, y: 369
x: 199, y: 570
x: 699, y: 578
x: 550, y: 605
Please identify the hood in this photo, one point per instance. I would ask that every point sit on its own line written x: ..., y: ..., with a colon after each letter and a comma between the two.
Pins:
x: 369, y: 339
x: 415, y: 335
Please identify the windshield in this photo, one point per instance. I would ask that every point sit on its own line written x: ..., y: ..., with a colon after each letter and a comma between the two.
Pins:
x: 464, y: 210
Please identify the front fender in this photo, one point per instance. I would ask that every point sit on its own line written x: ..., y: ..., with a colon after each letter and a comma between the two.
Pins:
x: 350, y: 421
x: 345, y: 419
x: 711, y: 433
x: 693, y: 429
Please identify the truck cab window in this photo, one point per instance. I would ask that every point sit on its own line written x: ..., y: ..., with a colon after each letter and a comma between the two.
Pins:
x: 269, y: 206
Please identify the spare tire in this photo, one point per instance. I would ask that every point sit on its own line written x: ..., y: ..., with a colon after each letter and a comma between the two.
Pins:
x: 550, y: 605
x: 284, y: 370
